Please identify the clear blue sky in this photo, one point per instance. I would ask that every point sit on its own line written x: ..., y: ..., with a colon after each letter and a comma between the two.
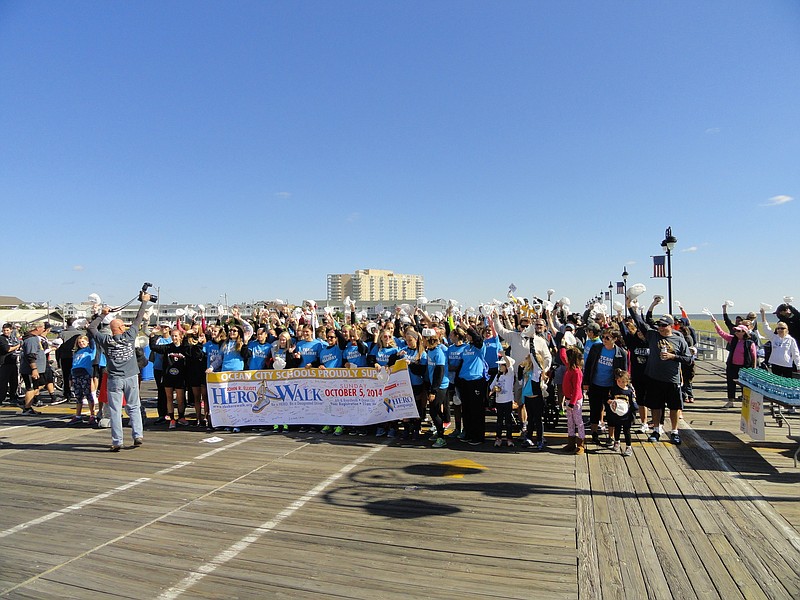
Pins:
x: 251, y: 148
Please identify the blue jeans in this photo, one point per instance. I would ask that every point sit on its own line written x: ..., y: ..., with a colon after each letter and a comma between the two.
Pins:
x: 129, y: 386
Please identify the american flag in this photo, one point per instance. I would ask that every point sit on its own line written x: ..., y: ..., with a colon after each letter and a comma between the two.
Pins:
x: 607, y: 295
x: 620, y: 287
x: 659, y: 266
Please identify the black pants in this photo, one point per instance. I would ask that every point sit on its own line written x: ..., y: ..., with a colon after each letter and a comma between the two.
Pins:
x: 597, y: 400
x: 782, y: 371
x: 731, y: 374
x: 504, y: 421
x: 535, y: 407
x: 9, y: 378
x: 161, y: 405
x: 66, y: 375
x: 473, y: 408
x: 436, y: 409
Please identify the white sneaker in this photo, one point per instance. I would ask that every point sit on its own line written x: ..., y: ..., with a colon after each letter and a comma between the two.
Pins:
x: 616, y: 446
x: 645, y: 428
x: 728, y: 404
x: 660, y: 430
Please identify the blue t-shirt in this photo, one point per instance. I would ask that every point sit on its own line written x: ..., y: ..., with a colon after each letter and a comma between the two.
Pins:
x: 383, y: 355
x: 309, y: 351
x: 409, y: 354
x: 604, y: 373
x: 473, y: 365
x: 432, y: 359
x: 213, y: 355
x: 454, y: 359
x: 353, y: 355
x: 493, y: 347
x: 158, y: 361
x: 231, y: 359
x: 587, y: 345
x: 331, y: 356
x: 83, y: 358
x: 258, y: 354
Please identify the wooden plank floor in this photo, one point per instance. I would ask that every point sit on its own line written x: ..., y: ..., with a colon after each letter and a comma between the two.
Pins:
x: 312, y: 516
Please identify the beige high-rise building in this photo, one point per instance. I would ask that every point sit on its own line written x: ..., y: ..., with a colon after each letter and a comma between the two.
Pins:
x: 374, y: 285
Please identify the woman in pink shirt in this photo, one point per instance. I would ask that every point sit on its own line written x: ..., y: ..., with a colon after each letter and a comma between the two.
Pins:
x: 742, y: 353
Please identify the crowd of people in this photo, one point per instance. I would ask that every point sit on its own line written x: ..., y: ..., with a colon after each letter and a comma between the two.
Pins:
x: 513, y: 361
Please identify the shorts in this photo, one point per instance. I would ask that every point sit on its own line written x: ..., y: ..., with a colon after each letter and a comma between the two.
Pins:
x: 32, y: 383
x: 664, y: 393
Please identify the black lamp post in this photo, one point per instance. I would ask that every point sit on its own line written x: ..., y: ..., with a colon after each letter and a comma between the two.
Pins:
x: 610, y: 299
x: 667, y: 245
x: 625, y: 281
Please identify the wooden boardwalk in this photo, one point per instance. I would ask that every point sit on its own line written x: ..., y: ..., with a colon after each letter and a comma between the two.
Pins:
x: 312, y: 516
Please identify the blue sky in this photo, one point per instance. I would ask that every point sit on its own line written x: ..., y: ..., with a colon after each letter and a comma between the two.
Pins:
x: 251, y: 148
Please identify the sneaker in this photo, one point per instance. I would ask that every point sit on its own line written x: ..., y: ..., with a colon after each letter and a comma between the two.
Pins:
x: 474, y: 442
x: 540, y: 445
x: 528, y: 443
x: 461, y: 435
x: 434, y: 436
x: 660, y: 430
x: 236, y: 430
x: 510, y: 443
x: 327, y: 429
x: 338, y: 430
x: 603, y: 427
x: 92, y: 422
x: 675, y: 438
x: 172, y: 424
x: 285, y: 429
x: 628, y: 451
x: 616, y: 446
x: 446, y: 425
x: 210, y: 428
x: 439, y: 443
x: 792, y: 410
x: 138, y: 442
x: 654, y: 436
x: 56, y: 401
x: 75, y: 420
x: 303, y: 429
x: 182, y: 422
x: 645, y: 428
x: 353, y: 431
x: 391, y: 433
x: 115, y: 448
x: 728, y: 404
x: 276, y: 428
x: 380, y: 432
x: 498, y: 442
x: 30, y: 412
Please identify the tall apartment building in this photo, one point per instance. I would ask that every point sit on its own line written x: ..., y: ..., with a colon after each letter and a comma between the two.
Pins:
x: 374, y: 285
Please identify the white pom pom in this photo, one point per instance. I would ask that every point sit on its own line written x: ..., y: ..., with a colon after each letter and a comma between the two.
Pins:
x: 422, y: 300
x: 180, y: 312
x: 201, y: 308
x: 705, y: 311
x: 636, y: 290
x: 328, y: 310
x: 765, y: 306
x: 564, y: 301
x: 788, y: 299
x: 618, y: 306
x: 659, y: 299
x: 729, y: 303
x: 95, y: 299
x: 550, y: 292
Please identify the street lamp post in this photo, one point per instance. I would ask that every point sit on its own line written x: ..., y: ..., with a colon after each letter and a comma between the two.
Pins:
x: 625, y: 281
x: 610, y: 299
x: 667, y: 245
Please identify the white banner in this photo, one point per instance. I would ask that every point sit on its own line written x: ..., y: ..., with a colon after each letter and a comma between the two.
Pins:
x: 360, y: 396
x: 752, y: 418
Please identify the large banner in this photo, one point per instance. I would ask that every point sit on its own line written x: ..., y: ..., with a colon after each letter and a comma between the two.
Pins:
x: 360, y: 396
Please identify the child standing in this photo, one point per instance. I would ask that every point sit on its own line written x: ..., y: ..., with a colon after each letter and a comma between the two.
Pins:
x: 82, y: 369
x: 622, y: 391
x: 503, y: 387
x: 573, y: 396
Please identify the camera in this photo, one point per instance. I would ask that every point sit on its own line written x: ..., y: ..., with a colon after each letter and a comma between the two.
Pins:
x: 145, y: 286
